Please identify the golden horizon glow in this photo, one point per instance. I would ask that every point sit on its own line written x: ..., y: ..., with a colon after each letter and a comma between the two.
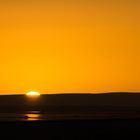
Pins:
x: 69, y: 46
x: 33, y: 94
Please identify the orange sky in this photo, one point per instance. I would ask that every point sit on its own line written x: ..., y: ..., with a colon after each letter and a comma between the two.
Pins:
x: 57, y: 46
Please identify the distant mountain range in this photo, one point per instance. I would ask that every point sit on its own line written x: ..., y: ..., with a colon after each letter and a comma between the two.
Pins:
x: 107, y: 105
x: 106, y: 99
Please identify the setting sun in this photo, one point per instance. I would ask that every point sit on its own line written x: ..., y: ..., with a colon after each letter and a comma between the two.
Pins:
x: 33, y: 94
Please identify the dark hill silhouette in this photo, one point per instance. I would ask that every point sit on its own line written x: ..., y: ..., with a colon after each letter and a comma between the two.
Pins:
x: 107, y: 99
x: 71, y: 102
x: 108, y: 115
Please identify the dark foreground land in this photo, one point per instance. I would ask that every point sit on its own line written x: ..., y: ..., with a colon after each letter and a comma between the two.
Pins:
x: 72, y: 129
x: 67, y: 117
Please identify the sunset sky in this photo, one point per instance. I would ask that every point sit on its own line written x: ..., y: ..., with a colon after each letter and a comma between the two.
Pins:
x: 69, y: 46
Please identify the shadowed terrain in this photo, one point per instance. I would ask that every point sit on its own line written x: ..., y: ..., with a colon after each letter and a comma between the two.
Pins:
x: 74, y: 103
x: 94, y: 116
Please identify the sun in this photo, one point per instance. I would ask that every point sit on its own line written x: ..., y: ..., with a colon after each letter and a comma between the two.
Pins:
x: 33, y: 94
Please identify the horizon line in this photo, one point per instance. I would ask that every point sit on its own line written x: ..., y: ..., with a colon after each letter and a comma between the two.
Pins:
x: 76, y: 93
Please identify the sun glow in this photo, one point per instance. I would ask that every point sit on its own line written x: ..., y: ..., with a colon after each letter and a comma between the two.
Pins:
x: 33, y: 94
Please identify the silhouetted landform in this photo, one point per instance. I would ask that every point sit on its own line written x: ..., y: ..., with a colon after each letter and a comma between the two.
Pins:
x: 72, y: 129
x: 88, y: 129
x: 71, y: 102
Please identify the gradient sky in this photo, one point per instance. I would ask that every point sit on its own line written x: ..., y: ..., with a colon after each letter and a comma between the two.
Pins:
x: 57, y: 46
